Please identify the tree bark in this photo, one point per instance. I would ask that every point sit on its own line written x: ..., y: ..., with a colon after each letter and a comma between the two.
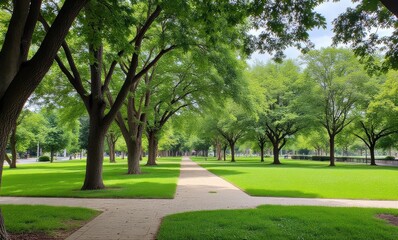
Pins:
x: 111, y: 146
x: 331, y: 152
x: 262, y: 152
x: 276, y: 152
x: 133, y: 157
x: 225, y: 152
x: 51, y: 156
x: 95, y: 155
x: 152, y: 148
x: 8, y: 160
x: 3, y: 140
x: 232, y: 146
x: 13, y: 145
x: 3, y: 232
x: 372, y: 155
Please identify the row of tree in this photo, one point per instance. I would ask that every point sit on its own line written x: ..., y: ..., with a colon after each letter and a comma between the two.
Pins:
x: 329, y: 95
x: 111, y: 50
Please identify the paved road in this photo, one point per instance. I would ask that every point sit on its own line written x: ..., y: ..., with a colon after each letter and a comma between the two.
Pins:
x: 198, y: 189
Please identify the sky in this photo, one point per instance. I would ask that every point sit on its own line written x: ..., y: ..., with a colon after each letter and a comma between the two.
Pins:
x: 320, y: 37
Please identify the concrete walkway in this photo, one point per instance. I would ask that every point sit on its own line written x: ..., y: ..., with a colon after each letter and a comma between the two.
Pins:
x: 197, y: 189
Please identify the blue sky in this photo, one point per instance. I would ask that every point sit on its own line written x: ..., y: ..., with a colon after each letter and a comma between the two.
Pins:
x: 320, y: 37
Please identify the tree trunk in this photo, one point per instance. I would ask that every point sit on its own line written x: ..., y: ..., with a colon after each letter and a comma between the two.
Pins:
x: 20, y: 84
x: 133, y: 157
x: 232, y: 146
x: 152, y: 148
x: 13, y: 145
x: 51, y: 156
x: 218, y: 151
x: 225, y: 152
x: 3, y: 143
x: 276, y: 153
x: 8, y: 160
x: 95, y: 155
x: 372, y: 155
x: 331, y: 152
x: 3, y: 232
x: 111, y: 146
x: 262, y: 152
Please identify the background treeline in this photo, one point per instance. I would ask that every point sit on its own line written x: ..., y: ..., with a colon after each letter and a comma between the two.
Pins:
x: 320, y: 104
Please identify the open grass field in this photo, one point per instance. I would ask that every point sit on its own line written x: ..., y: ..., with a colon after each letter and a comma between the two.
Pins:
x: 280, y: 223
x: 312, y: 179
x: 64, y: 179
x: 44, y: 221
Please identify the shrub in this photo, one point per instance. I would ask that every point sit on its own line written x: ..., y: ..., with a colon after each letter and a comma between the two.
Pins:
x: 389, y: 158
x: 300, y: 157
x: 44, y: 159
x: 320, y: 158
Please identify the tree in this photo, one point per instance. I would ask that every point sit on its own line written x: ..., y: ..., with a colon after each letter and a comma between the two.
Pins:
x: 157, y: 20
x: 338, y: 79
x: 204, y: 128
x: 345, y: 140
x: 19, y: 138
x: 314, y: 138
x: 256, y: 131
x: 19, y: 76
x: 112, y: 136
x: 56, y: 138
x: 261, y: 141
x: 83, y: 133
x: 97, y: 36
x: 282, y: 114
x: 232, y: 124
x: 380, y: 115
x: 195, y: 79
x: 359, y: 26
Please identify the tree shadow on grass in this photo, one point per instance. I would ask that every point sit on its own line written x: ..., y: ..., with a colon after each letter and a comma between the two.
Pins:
x: 140, y: 190
x: 292, y: 164
x: 58, y: 181
x: 280, y: 193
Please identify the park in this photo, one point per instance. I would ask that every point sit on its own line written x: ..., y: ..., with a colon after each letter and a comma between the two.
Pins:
x: 198, y: 120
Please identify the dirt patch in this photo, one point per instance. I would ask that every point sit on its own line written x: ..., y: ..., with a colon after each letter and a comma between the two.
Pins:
x: 390, y: 218
x: 34, y: 236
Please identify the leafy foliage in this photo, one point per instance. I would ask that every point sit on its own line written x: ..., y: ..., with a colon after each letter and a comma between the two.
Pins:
x: 371, y: 29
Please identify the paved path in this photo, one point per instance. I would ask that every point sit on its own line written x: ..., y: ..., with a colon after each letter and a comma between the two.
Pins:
x: 197, y: 189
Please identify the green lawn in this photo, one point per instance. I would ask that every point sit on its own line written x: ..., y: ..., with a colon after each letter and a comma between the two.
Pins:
x: 313, y: 179
x: 23, y: 219
x: 64, y: 179
x: 280, y: 222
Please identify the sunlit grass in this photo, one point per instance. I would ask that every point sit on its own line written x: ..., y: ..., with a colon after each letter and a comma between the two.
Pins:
x: 44, y: 219
x: 64, y: 179
x: 299, y: 178
x: 280, y: 223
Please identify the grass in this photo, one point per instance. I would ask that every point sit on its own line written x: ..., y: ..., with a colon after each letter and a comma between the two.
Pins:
x: 21, y: 219
x: 64, y: 179
x: 280, y: 222
x: 313, y: 179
